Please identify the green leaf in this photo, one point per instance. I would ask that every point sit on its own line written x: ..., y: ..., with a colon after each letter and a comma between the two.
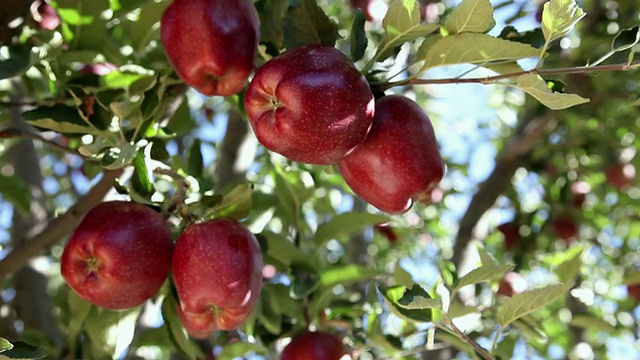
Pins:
x: 124, y: 79
x: 531, y: 329
x: 392, y: 296
x: 475, y: 48
x: 471, y: 16
x: 626, y: 39
x: 14, y: 60
x: 236, y: 204
x: 358, y: 35
x: 5, y: 345
x: 454, y: 340
x: 79, y: 309
x: 485, y: 258
x: 22, y: 350
x: 346, y: 224
x: 16, y: 191
x: 570, y: 268
x: 282, y: 250
x: 346, y: 274
x: 177, y: 333
x: 141, y: 179
x: 537, y: 87
x: 195, y: 164
x: 59, y: 118
x: 591, y: 322
x: 483, y: 273
x: 631, y: 278
x: 240, y: 349
x: 118, y: 157
x: 271, y: 22
x: 418, y: 299
x: 307, y: 23
x: 111, y: 332
x: 402, y: 24
x: 529, y: 301
x: 457, y: 309
x: 559, y: 17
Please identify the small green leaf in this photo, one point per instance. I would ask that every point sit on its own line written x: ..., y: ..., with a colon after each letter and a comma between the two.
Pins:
x: 631, y: 278
x: 141, y: 179
x: 124, y: 79
x: 537, y: 87
x: 346, y: 224
x: 271, y: 22
x: 483, y: 273
x: 402, y: 24
x: 14, y: 60
x: 570, y: 268
x: 457, y: 309
x: 282, y: 250
x: 591, y: 322
x: 235, y: 204
x: 471, y: 16
x: 531, y: 329
x: 5, y: 345
x: 559, y: 17
x: 16, y: 191
x: 305, y: 281
x: 475, y: 48
x: 23, y: 351
x: 59, y: 118
x: 118, y: 157
x: 529, y: 301
x: 358, y: 35
x: 486, y: 258
x: 195, y: 164
x: 111, y: 332
x: 418, y: 299
x: 177, y: 333
x: 346, y: 274
x: 307, y: 23
x: 392, y: 296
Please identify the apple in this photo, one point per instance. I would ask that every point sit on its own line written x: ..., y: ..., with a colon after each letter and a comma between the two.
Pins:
x: 633, y: 291
x: 191, y: 325
x: 579, y: 190
x: 99, y: 69
x: 511, y: 284
x: 45, y: 15
x: 217, y: 272
x: 621, y: 175
x: 118, y: 256
x: 316, y: 345
x: 310, y: 104
x: 565, y: 228
x: 511, y: 233
x: 398, y: 161
x: 374, y: 10
x: 212, y: 44
x: 387, y: 231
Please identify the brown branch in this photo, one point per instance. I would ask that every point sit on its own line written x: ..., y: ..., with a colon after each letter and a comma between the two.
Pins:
x: 12, y: 132
x: 541, y: 72
x: 58, y: 227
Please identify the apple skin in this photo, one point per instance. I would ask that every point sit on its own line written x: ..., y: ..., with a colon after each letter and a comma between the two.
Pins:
x: 212, y: 44
x: 387, y: 231
x: 620, y: 175
x: 128, y: 244
x: 566, y: 228
x: 633, y: 290
x: 317, y: 345
x: 511, y: 233
x: 374, y: 10
x: 512, y: 284
x: 217, y: 272
x: 45, y: 15
x: 398, y: 161
x: 310, y: 104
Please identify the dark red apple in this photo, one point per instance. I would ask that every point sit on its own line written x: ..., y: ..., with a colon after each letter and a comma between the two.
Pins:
x: 191, y: 326
x: 387, y: 231
x: 212, y: 44
x: 310, y: 104
x: 512, y: 284
x: 45, y: 15
x: 633, y: 290
x: 511, y: 233
x: 118, y: 256
x: 317, y: 345
x: 620, y: 175
x: 217, y: 271
x: 565, y: 228
x: 398, y: 161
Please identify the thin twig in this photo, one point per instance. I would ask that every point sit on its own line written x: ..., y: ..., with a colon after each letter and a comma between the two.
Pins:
x: 482, y: 352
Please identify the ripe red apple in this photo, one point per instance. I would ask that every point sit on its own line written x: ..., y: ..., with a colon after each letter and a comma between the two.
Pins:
x: 217, y: 271
x: 310, y: 104
x: 387, y: 231
x: 511, y: 284
x: 317, y: 345
x: 118, y: 256
x: 621, y: 175
x: 398, y: 161
x: 633, y: 291
x: 511, y: 233
x: 565, y: 228
x: 212, y: 44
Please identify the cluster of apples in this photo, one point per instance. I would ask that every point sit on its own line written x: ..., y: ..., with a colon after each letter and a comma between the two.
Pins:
x: 122, y: 252
x: 309, y: 104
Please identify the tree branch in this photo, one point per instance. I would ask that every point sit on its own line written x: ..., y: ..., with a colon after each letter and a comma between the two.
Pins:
x: 58, y: 227
x: 13, y: 132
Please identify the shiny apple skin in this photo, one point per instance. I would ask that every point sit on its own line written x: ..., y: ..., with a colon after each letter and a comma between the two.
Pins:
x: 317, y: 345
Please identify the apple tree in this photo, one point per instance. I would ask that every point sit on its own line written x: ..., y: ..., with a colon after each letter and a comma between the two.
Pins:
x: 300, y: 179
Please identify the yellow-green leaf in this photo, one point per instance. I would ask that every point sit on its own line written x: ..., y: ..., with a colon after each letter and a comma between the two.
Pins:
x: 471, y: 16
x: 483, y: 273
x: 535, y: 86
x: 559, y: 17
x: 529, y: 301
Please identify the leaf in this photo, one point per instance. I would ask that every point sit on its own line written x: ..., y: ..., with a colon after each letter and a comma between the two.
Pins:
x: 14, y: 60
x: 591, y: 322
x: 559, y: 17
x: 632, y: 277
x: 474, y: 48
x: 5, y: 345
x: 22, y: 350
x: 358, y: 35
x: 528, y: 327
x: 393, y: 294
x: 111, y: 332
x: 529, y: 301
x: 282, y: 250
x: 271, y: 22
x: 346, y: 224
x: 118, y: 157
x: 141, y: 179
x: 454, y: 340
x: 79, y: 309
x: 177, y: 333
x: 16, y: 191
x: 570, y: 268
x: 418, y: 299
x: 307, y: 23
x: 402, y: 24
x: 486, y: 258
x: 471, y: 16
x: 195, y: 164
x: 236, y: 204
x: 59, y: 118
x: 239, y: 350
x: 346, y: 274
x: 537, y: 87
x: 457, y: 309
x: 483, y: 273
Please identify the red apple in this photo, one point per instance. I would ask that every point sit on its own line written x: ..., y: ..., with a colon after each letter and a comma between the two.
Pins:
x: 579, y: 190
x: 118, y: 256
x: 621, y: 175
x: 191, y: 325
x: 565, y: 228
x: 317, y: 345
x: 511, y: 233
x: 217, y: 271
x: 512, y: 284
x: 374, y: 10
x: 212, y: 44
x: 45, y: 15
x: 310, y: 104
x: 633, y: 291
x: 387, y: 231
x: 398, y: 161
